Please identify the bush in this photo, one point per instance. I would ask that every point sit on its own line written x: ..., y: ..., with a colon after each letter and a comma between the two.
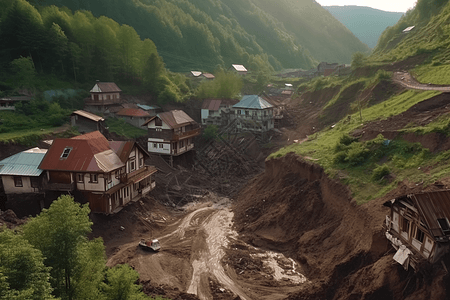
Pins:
x: 210, y: 132
x: 379, y: 172
x: 357, y: 154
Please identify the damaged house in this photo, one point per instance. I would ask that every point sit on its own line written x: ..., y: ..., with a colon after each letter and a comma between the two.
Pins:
x: 418, y: 227
x: 109, y: 174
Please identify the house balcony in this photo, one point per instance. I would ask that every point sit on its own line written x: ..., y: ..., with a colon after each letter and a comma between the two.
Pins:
x: 62, y: 187
x: 254, y: 118
x: 187, y: 134
x: 138, y: 175
x: 89, y: 101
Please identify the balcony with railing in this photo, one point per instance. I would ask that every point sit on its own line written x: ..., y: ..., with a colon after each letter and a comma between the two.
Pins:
x: 138, y: 174
x: 186, y: 134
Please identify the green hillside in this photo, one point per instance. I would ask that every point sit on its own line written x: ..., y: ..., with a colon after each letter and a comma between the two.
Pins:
x: 257, y: 33
x: 366, y: 23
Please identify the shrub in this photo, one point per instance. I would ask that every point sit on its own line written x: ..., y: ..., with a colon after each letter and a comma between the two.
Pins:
x: 379, y: 172
x: 357, y: 154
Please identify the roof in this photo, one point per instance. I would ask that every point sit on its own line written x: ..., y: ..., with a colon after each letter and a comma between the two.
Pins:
x: 239, y: 68
x: 173, y: 118
x: 90, y: 152
x: 196, y: 73
x: 148, y: 107
x: 16, y: 98
x: 122, y: 148
x: 211, y: 104
x: 25, y: 163
x: 254, y: 102
x: 88, y: 115
x: 408, y: 29
x: 133, y: 112
x: 208, y: 75
x: 105, y: 87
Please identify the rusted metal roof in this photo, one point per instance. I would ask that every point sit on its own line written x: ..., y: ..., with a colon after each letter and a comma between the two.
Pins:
x: 211, y: 104
x: 173, y: 119
x: 24, y: 163
x: 133, y: 112
x: 122, y: 149
x: 105, y: 87
x: 433, y: 206
x: 88, y: 115
x: 253, y: 102
x: 89, y: 153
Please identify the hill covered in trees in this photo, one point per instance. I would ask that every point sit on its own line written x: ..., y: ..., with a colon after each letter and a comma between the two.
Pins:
x: 366, y: 23
x: 261, y: 34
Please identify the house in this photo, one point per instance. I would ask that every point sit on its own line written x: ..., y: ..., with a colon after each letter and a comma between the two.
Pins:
x: 20, y: 173
x: 171, y: 133
x: 240, y: 69
x: 418, y: 227
x: 208, y: 76
x: 87, y: 122
x: 253, y: 113
x: 217, y: 111
x: 195, y: 73
x: 133, y: 116
x: 9, y: 103
x: 109, y: 174
x: 408, y: 29
x: 103, y: 95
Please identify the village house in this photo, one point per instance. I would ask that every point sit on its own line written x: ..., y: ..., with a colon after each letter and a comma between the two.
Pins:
x: 103, y: 96
x: 87, y: 122
x: 20, y: 173
x: 171, y: 133
x: 9, y: 103
x: 253, y: 113
x: 217, y: 111
x: 133, y: 116
x: 418, y: 227
x: 152, y: 110
x: 109, y: 174
x: 239, y: 69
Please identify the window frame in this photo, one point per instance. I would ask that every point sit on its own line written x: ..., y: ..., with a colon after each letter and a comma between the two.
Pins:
x: 93, y: 178
x: 18, y: 182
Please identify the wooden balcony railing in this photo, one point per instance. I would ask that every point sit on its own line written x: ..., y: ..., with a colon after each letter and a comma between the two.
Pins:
x: 187, y: 134
x: 138, y: 174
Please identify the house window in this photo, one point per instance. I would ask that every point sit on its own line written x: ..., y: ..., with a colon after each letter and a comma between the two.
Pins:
x: 158, y: 122
x: 419, y: 235
x: 181, y: 144
x: 155, y: 145
x: 444, y: 225
x: 238, y: 111
x: 80, y: 177
x: 93, y: 178
x: 35, y: 182
x: 247, y: 113
x: 18, y: 181
x: 109, y: 177
x: 141, y: 162
x: 161, y: 146
x: 158, y: 129
x: 116, y: 173
x: 66, y: 152
x: 132, y: 165
x: 405, y: 225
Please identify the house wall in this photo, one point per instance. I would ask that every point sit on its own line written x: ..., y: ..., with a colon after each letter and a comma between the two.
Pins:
x: 84, y: 125
x: 262, y: 119
x: 158, y: 146
x: 10, y: 188
x: 100, y: 185
x: 104, y: 96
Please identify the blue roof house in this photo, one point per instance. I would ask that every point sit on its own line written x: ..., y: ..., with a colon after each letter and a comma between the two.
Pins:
x: 20, y: 173
x: 254, y: 113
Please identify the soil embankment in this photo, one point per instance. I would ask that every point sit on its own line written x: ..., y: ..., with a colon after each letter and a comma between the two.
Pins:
x: 296, y: 208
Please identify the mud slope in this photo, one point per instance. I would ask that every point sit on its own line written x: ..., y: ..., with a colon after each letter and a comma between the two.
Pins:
x: 295, y: 208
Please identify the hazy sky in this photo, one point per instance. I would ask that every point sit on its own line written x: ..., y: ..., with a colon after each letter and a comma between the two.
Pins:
x: 387, y: 5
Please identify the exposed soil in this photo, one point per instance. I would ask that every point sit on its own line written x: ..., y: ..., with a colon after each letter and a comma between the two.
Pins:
x: 279, y: 229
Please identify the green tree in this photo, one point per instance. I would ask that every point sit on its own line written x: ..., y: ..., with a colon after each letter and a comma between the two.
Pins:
x: 24, y: 72
x: 23, y: 274
x: 358, y: 60
x: 120, y: 284
x: 60, y: 232
x: 225, y: 85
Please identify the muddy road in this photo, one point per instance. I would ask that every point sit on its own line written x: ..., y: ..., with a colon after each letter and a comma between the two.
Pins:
x: 201, y: 254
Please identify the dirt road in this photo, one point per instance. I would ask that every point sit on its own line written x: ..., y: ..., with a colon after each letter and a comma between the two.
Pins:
x: 405, y: 79
x: 192, y: 257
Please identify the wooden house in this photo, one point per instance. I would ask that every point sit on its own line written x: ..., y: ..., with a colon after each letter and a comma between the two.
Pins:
x: 418, y: 227
x: 20, y: 174
x: 87, y: 122
x: 253, y: 113
x: 103, y: 96
x: 109, y: 174
x: 134, y: 116
x: 171, y: 133
x: 217, y: 111
x: 239, y: 69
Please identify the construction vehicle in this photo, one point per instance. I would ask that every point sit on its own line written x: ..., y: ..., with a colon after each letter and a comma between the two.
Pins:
x: 152, y: 245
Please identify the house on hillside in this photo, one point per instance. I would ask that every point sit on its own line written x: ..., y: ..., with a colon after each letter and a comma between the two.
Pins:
x: 152, y: 110
x: 134, y: 116
x: 109, y: 174
x: 103, y: 96
x: 208, y: 76
x: 217, y: 111
x: 171, y: 133
x: 9, y: 103
x: 239, y: 69
x: 20, y: 174
x: 87, y: 122
x: 253, y: 113
x: 418, y: 227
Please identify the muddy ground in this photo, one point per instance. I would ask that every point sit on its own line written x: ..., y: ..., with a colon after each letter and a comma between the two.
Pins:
x: 278, y: 229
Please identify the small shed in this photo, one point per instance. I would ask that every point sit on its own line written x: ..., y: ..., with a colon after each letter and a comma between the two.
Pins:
x: 240, y: 69
x: 133, y: 116
x: 87, y: 122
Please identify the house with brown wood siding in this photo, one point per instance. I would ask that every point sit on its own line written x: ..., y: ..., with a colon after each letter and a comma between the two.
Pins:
x: 109, y: 174
x: 103, y: 96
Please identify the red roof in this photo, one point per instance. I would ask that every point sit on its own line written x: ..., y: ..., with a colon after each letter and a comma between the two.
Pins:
x: 80, y: 153
x: 173, y: 119
x: 133, y: 112
x: 211, y: 104
x: 122, y: 148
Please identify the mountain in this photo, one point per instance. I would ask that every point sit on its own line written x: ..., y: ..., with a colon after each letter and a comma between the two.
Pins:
x: 193, y: 34
x: 366, y: 23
